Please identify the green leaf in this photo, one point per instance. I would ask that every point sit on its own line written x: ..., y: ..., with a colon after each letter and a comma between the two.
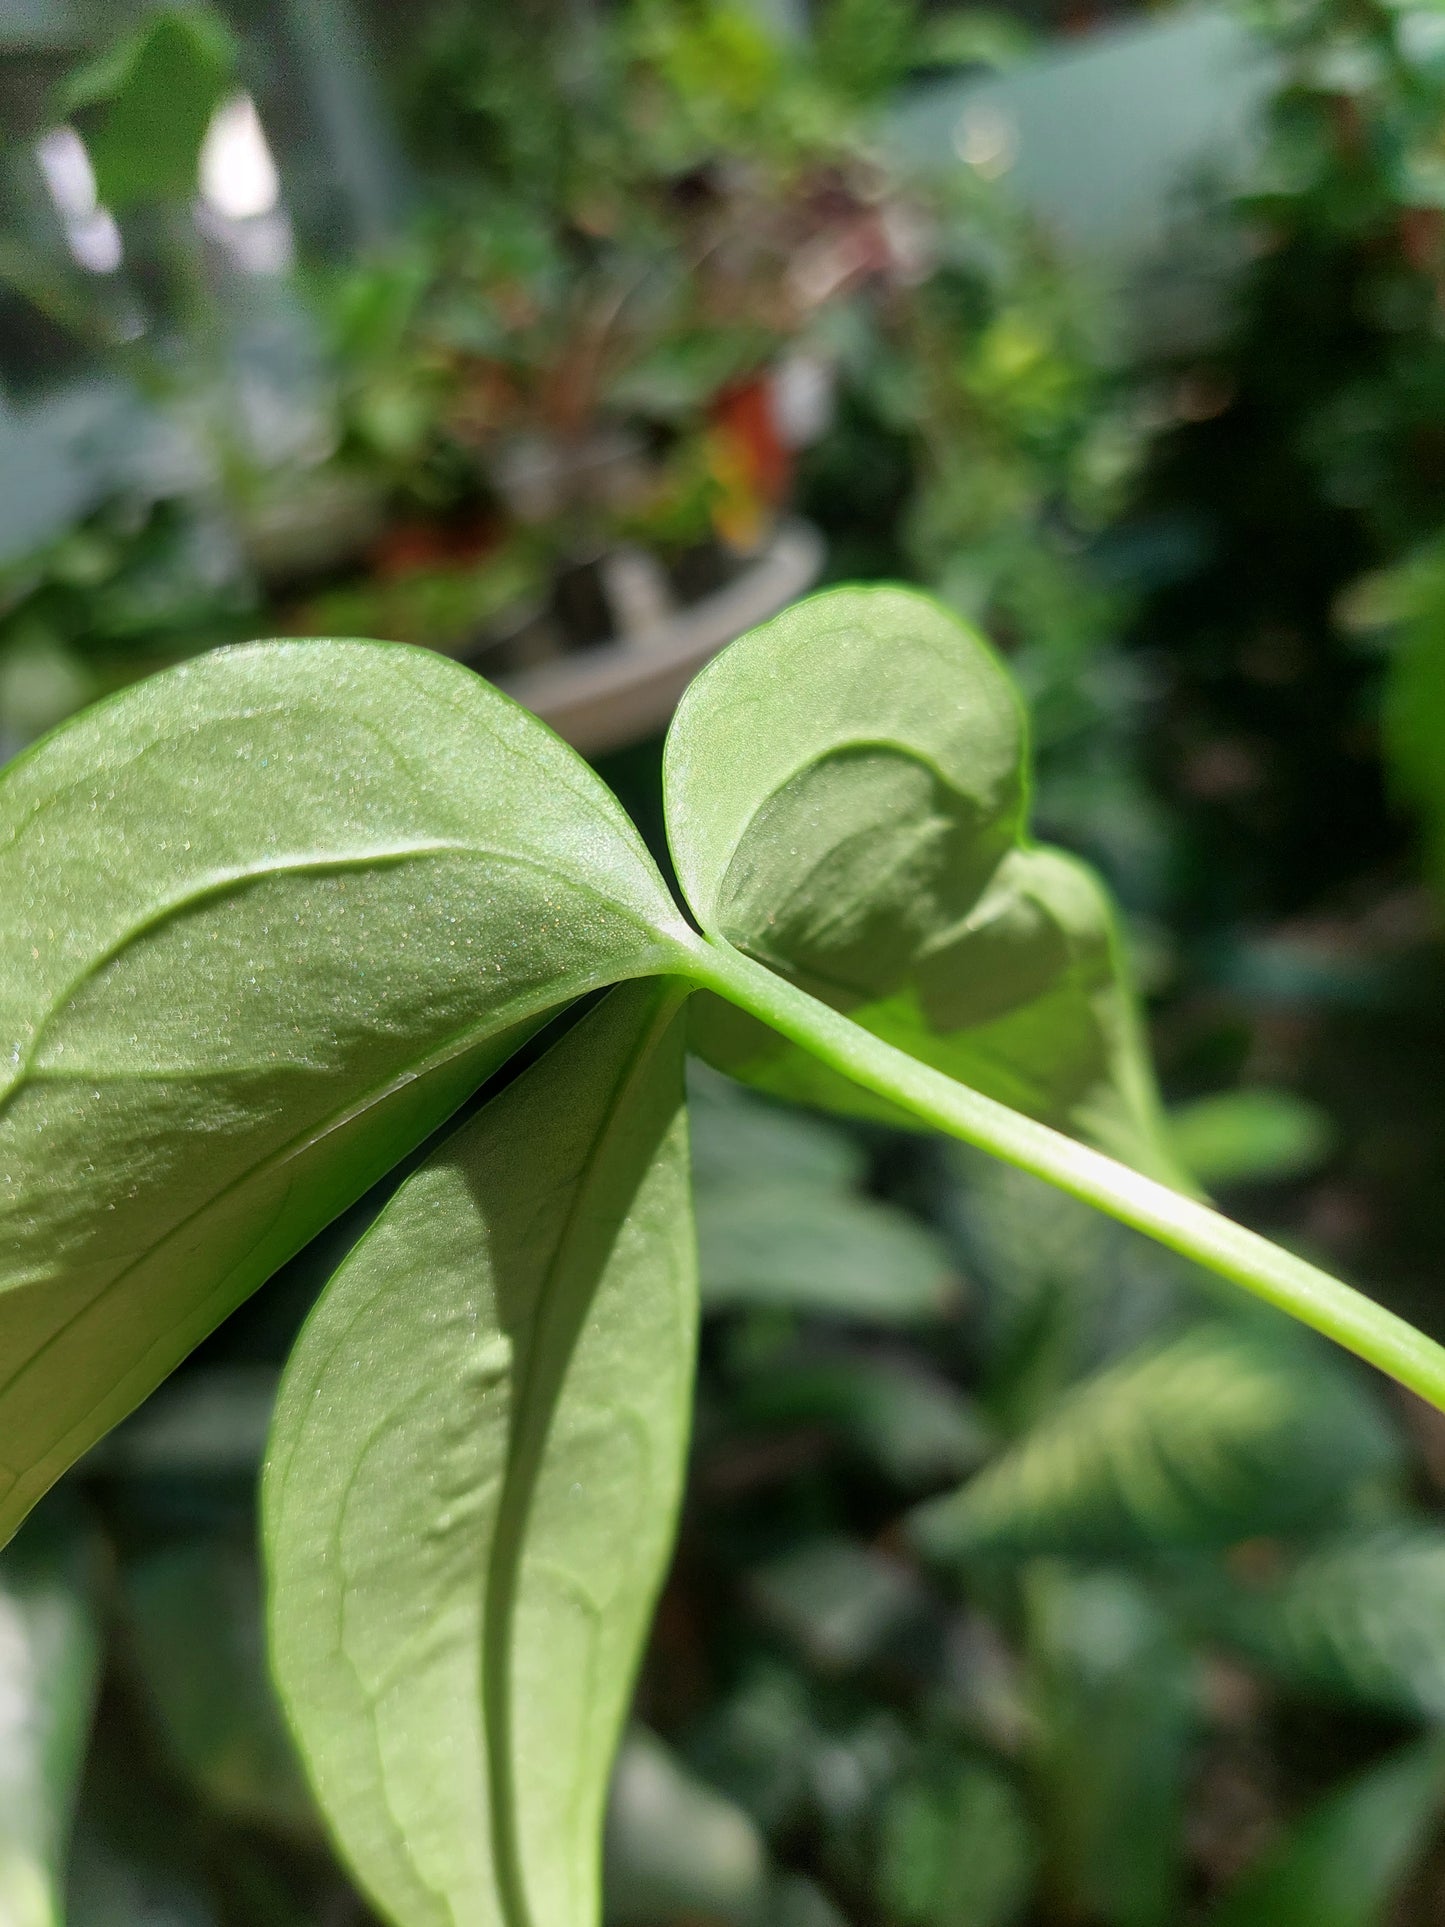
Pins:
x: 957, y: 1849
x: 909, y: 1423
x: 675, y: 1847
x: 269, y: 918
x: 153, y: 97
x: 736, y: 1139
x: 1360, y: 1619
x: 1341, y: 1865
x: 1060, y: 1289
x: 1116, y: 1714
x: 846, y: 799
x: 1220, y: 1434
x: 469, y: 1495
x: 49, y: 1663
x: 1250, y: 1137
x: 841, y: 1604
x: 194, y: 1617
x: 805, y: 1250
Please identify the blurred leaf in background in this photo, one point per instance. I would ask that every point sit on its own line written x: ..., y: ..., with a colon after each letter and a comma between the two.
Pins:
x: 51, y: 1582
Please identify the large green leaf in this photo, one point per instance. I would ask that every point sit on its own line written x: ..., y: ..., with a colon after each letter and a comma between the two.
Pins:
x: 49, y: 1661
x: 1214, y: 1436
x: 267, y: 919
x: 1341, y: 1865
x: 846, y: 797
x: 470, y: 1490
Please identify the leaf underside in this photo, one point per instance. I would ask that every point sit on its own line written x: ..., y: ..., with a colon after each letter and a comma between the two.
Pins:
x: 475, y: 1464
x: 268, y: 919
x: 847, y: 803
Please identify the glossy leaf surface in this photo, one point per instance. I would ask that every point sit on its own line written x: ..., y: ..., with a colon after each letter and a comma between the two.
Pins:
x: 1216, y: 1435
x: 49, y: 1664
x: 847, y: 799
x: 470, y: 1491
x: 268, y: 918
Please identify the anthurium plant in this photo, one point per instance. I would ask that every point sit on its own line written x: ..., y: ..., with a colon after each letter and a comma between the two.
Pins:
x: 273, y: 915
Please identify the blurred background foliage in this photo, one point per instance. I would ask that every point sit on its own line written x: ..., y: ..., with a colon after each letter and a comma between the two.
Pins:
x: 1024, y: 1576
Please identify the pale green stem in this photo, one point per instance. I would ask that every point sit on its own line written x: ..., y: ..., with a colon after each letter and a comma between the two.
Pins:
x: 1182, y: 1223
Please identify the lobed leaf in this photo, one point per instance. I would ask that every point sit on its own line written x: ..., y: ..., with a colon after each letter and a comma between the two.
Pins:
x: 269, y: 918
x: 1217, y: 1435
x: 469, y: 1496
x: 847, y: 803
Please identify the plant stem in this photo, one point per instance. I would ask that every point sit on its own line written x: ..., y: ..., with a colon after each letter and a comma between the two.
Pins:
x: 1185, y: 1225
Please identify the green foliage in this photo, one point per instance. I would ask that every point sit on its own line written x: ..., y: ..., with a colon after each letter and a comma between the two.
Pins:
x: 957, y: 1849
x: 149, y: 101
x: 1115, y: 1694
x: 49, y: 1651
x: 195, y: 1635
x: 393, y: 809
x: 805, y: 1250
x: 1342, y: 1863
x: 1356, y: 1619
x: 1220, y: 1434
x: 275, y: 914
x: 1305, y: 454
x: 1249, y: 1137
x: 781, y: 1222
x: 1408, y: 603
x: 896, y: 1416
x: 475, y: 1461
x: 675, y: 1846
x: 869, y: 844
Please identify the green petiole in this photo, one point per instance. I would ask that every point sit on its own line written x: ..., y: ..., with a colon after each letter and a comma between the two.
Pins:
x: 1194, y: 1230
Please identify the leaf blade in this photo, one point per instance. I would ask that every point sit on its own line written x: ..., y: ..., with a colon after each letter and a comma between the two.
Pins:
x: 270, y: 917
x: 561, y: 1288
x: 846, y: 797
